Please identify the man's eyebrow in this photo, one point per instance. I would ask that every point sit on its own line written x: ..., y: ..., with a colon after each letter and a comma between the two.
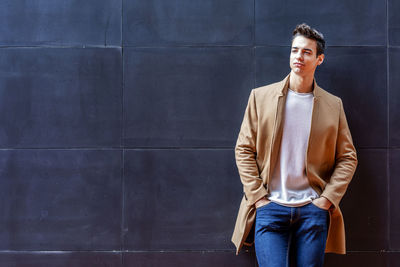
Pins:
x: 308, y: 49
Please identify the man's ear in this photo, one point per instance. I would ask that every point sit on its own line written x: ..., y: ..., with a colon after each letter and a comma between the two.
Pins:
x: 321, y: 59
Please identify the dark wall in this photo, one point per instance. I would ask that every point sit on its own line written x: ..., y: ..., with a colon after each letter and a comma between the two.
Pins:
x: 118, y: 120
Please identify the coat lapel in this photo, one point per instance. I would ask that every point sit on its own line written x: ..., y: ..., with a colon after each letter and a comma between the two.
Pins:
x: 280, y: 99
x: 313, y: 129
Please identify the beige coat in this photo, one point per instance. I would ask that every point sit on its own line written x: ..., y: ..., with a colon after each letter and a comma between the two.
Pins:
x: 330, y: 159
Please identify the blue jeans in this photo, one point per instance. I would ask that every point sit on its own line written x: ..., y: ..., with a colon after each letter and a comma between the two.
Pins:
x: 290, y: 236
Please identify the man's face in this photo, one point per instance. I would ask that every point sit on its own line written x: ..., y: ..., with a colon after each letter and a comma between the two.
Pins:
x: 303, y: 56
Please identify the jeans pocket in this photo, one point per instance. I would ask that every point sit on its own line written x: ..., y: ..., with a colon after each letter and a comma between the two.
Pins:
x: 319, y: 207
x: 263, y: 206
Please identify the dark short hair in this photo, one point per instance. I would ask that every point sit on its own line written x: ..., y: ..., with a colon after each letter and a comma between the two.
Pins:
x: 311, y: 33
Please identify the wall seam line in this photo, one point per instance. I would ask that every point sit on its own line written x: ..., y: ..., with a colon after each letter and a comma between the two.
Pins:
x: 388, y: 243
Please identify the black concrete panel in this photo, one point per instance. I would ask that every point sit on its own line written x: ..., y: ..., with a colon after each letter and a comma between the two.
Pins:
x: 55, y: 97
x: 58, y: 22
x: 182, y: 22
x: 358, y: 75
x: 394, y: 259
x: 180, y: 199
x: 394, y: 22
x: 184, y: 259
x: 353, y: 259
x: 394, y: 96
x: 272, y: 64
x: 186, y: 97
x: 364, y: 205
x: 342, y: 22
x: 355, y: 74
x: 60, y: 199
x: 60, y: 259
x: 394, y: 201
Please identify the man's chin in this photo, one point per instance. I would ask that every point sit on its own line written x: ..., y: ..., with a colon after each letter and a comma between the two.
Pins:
x: 297, y: 70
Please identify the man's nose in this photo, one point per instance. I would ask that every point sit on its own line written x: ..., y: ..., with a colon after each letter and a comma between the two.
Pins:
x: 299, y: 55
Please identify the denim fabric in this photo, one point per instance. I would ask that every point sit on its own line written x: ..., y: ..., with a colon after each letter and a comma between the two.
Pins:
x: 290, y: 236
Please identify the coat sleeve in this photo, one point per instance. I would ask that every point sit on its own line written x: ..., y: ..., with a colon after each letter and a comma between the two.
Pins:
x: 345, y: 162
x: 245, y: 153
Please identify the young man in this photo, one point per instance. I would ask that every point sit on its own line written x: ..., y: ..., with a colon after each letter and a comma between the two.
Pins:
x: 295, y: 157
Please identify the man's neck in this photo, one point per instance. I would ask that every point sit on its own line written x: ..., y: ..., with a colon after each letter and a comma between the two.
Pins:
x: 301, y: 84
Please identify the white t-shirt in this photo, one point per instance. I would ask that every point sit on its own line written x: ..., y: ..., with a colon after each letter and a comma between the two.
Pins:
x: 289, y: 184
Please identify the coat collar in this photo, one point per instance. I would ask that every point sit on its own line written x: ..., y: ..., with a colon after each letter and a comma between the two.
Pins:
x: 282, y: 87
